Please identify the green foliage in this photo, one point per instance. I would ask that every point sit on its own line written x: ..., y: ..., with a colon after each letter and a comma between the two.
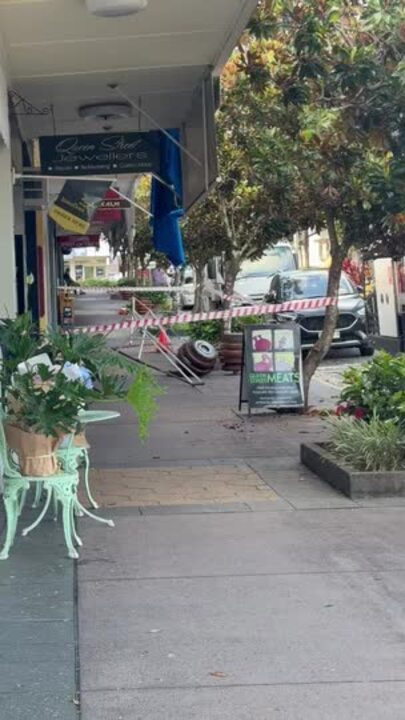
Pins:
x: 374, y: 446
x: 128, y: 282
x: 46, y: 403
x: 18, y: 342
x: 51, y: 405
x: 141, y: 396
x: 238, y: 324
x: 377, y: 388
x: 98, y: 283
x: 210, y: 331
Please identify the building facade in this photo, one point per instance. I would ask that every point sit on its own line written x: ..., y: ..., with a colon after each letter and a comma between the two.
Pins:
x: 78, y: 69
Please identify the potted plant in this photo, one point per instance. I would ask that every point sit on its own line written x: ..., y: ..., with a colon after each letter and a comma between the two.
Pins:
x: 42, y: 406
x: 31, y: 401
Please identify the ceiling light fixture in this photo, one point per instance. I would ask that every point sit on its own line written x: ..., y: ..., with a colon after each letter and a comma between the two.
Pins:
x: 115, y: 8
x: 105, y: 111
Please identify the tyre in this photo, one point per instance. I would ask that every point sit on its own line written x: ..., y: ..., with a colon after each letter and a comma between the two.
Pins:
x: 199, y: 356
x: 205, y: 350
x: 366, y: 350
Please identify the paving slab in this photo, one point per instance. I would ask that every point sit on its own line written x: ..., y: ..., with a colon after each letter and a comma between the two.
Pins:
x: 340, y: 701
x: 261, y: 630
x: 179, y: 486
x: 196, y: 509
x: 43, y: 704
x: 358, y: 540
x: 37, y: 631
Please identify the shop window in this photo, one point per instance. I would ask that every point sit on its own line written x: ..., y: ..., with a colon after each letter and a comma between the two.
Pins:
x: 100, y: 271
x: 79, y: 272
x: 89, y: 273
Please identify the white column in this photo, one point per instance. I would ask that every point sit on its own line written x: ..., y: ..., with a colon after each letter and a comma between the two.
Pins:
x: 8, y: 299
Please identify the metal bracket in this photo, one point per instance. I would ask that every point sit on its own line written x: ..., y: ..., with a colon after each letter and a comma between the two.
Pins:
x: 22, y: 106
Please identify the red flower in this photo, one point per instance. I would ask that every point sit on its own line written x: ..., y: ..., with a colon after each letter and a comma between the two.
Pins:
x: 359, y: 413
x: 341, y: 410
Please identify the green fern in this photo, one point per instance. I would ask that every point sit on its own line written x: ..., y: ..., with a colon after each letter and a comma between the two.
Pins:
x: 141, y: 396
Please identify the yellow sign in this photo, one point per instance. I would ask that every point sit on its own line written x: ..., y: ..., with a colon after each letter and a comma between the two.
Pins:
x: 76, y: 204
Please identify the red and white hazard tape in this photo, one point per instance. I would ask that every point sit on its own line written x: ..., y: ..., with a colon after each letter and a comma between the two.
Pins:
x: 114, y: 289
x: 189, y: 317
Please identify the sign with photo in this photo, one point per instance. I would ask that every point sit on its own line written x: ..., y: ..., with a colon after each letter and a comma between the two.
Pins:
x: 76, y: 204
x: 272, y: 366
x: 101, y: 153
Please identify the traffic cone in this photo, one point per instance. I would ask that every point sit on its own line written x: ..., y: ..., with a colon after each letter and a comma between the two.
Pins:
x: 163, y: 341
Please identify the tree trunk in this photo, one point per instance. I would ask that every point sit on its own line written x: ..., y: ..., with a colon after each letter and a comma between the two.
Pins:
x: 320, y: 349
x: 231, y: 269
x: 305, y: 249
x: 199, y: 286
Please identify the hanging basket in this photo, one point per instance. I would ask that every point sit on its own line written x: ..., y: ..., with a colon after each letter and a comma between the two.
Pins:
x: 36, y: 453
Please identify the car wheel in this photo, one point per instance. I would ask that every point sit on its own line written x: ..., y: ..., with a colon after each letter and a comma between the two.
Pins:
x: 366, y: 350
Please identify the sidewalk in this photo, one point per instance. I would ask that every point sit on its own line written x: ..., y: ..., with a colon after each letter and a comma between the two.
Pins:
x: 286, y: 602
x: 235, y: 585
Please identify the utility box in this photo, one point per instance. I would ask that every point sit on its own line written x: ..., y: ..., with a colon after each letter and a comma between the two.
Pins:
x: 389, y: 278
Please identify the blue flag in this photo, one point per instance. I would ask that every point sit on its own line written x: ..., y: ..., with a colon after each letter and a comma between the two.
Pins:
x: 167, y: 202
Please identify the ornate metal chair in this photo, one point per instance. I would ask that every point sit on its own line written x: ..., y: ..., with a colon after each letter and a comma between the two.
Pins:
x: 62, y: 486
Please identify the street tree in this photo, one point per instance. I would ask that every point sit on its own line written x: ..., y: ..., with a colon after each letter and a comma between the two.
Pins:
x: 326, y: 88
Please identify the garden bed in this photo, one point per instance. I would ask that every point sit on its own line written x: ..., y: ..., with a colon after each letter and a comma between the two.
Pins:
x: 352, y: 483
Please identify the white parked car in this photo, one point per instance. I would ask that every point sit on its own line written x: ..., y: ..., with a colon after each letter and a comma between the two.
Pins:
x: 253, y: 280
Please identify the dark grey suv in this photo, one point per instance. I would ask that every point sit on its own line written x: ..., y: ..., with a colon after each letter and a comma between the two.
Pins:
x: 311, y: 284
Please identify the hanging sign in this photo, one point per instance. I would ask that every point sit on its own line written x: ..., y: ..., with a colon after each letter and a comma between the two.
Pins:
x: 101, y: 153
x: 272, y: 367
x: 112, y: 202
x: 70, y: 242
x: 77, y: 203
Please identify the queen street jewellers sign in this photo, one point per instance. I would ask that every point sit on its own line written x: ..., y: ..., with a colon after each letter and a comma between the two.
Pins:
x: 70, y: 155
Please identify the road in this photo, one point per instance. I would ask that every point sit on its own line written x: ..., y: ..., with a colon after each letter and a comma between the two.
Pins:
x: 328, y: 379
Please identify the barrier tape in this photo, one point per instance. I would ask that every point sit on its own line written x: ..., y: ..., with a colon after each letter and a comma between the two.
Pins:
x: 115, y: 289
x: 190, y: 317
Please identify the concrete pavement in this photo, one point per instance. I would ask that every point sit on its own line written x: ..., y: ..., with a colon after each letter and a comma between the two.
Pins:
x: 235, y: 585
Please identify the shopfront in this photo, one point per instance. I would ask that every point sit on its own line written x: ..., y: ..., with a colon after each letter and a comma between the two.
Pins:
x: 74, y: 69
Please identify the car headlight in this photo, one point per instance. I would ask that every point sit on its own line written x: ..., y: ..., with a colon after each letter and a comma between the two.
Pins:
x: 361, y: 311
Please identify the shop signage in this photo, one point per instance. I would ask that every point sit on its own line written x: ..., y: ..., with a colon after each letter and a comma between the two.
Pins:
x: 77, y: 203
x: 101, y: 153
x: 117, y: 203
x: 272, y: 367
x: 70, y: 242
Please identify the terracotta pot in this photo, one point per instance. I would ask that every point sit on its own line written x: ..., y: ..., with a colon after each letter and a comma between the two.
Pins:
x: 143, y: 305
x: 231, y: 352
x: 125, y: 294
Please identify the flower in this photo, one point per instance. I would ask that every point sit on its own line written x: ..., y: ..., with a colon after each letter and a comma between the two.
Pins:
x: 341, y: 409
x: 359, y: 413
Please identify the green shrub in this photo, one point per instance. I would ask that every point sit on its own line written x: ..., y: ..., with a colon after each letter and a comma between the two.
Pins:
x: 129, y: 282
x: 210, y: 331
x: 377, y: 445
x: 97, y: 282
x: 238, y: 324
x: 376, y: 389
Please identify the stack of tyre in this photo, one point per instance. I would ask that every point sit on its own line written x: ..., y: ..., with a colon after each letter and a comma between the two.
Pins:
x: 200, y: 356
x: 231, y: 352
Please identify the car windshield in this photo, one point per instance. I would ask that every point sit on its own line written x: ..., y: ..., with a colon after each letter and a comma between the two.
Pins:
x: 310, y: 286
x: 277, y: 259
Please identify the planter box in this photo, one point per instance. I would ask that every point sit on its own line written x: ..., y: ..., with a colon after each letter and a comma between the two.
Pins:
x: 350, y: 482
